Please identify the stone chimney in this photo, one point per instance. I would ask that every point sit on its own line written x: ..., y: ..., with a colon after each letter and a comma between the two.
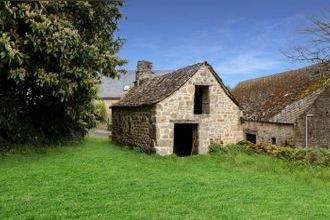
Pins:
x: 143, y: 71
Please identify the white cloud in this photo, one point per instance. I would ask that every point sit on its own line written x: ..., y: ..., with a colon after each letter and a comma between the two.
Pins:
x: 247, y: 63
x: 234, y: 47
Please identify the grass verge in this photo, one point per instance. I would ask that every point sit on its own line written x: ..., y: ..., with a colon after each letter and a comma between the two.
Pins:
x: 98, y: 179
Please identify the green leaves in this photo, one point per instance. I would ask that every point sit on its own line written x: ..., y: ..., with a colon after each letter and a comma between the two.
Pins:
x: 50, y: 56
x: 17, y: 75
x: 9, y: 51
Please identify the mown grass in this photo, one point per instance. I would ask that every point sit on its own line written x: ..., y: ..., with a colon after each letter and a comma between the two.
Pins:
x: 98, y: 179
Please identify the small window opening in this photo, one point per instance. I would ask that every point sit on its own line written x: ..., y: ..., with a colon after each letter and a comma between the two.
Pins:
x: 202, y: 101
x: 251, y: 138
x: 274, y: 140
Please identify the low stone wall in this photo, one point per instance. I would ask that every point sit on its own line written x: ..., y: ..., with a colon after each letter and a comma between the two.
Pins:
x: 134, y: 127
x: 284, y: 133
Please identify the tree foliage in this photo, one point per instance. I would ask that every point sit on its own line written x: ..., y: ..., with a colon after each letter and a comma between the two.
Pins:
x: 52, y: 56
x: 101, y: 111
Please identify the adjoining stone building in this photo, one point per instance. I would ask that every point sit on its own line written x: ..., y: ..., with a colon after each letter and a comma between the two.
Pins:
x: 181, y: 112
x: 278, y: 107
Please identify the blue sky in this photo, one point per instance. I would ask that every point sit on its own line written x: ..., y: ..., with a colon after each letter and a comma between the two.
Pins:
x: 241, y: 39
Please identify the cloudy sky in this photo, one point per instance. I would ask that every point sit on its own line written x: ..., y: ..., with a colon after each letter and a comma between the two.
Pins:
x: 241, y: 39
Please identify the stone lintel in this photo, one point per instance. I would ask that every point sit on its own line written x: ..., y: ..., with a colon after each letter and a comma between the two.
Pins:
x: 184, y: 121
x: 250, y: 131
x: 203, y: 84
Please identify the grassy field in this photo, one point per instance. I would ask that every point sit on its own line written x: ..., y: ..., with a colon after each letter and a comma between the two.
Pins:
x: 100, y: 180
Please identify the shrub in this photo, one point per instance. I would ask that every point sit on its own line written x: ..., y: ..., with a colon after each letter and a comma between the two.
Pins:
x: 319, y: 156
x: 100, y: 111
x: 214, y: 148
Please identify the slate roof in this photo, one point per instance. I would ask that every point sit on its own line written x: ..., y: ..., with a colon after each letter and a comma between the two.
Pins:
x: 160, y: 87
x: 113, y: 88
x: 281, y: 97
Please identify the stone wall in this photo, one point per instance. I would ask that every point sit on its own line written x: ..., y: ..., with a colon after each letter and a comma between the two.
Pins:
x: 295, y: 134
x: 134, y: 127
x: 221, y: 125
x: 290, y: 113
x: 318, y: 125
x: 265, y: 131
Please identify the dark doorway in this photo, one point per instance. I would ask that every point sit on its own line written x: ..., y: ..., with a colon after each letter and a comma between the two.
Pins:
x: 185, y: 139
x: 251, y: 138
x: 273, y: 140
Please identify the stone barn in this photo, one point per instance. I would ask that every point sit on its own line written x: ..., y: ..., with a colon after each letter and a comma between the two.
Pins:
x: 180, y: 112
x: 290, y: 108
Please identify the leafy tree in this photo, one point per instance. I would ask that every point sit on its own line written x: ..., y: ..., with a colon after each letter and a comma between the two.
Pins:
x: 52, y: 56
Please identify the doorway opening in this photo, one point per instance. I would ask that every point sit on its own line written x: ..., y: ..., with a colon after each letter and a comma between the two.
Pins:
x: 274, y: 140
x: 185, y: 139
x: 251, y: 138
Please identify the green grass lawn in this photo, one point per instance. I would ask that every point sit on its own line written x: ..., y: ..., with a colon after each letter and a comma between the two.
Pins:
x: 100, y: 180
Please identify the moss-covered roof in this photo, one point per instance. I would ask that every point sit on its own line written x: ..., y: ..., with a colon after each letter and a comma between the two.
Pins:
x: 265, y: 97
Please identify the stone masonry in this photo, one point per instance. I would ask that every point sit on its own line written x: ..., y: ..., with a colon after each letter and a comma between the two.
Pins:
x: 318, y: 124
x: 294, y: 133
x: 265, y: 131
x: 134, y: 127
x: 146, y: 116
x: 222, y: 125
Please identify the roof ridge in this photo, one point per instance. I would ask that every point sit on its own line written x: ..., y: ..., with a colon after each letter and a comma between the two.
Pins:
x: 185, y: 67
x: 158, y: 87
x: 292, y: 71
